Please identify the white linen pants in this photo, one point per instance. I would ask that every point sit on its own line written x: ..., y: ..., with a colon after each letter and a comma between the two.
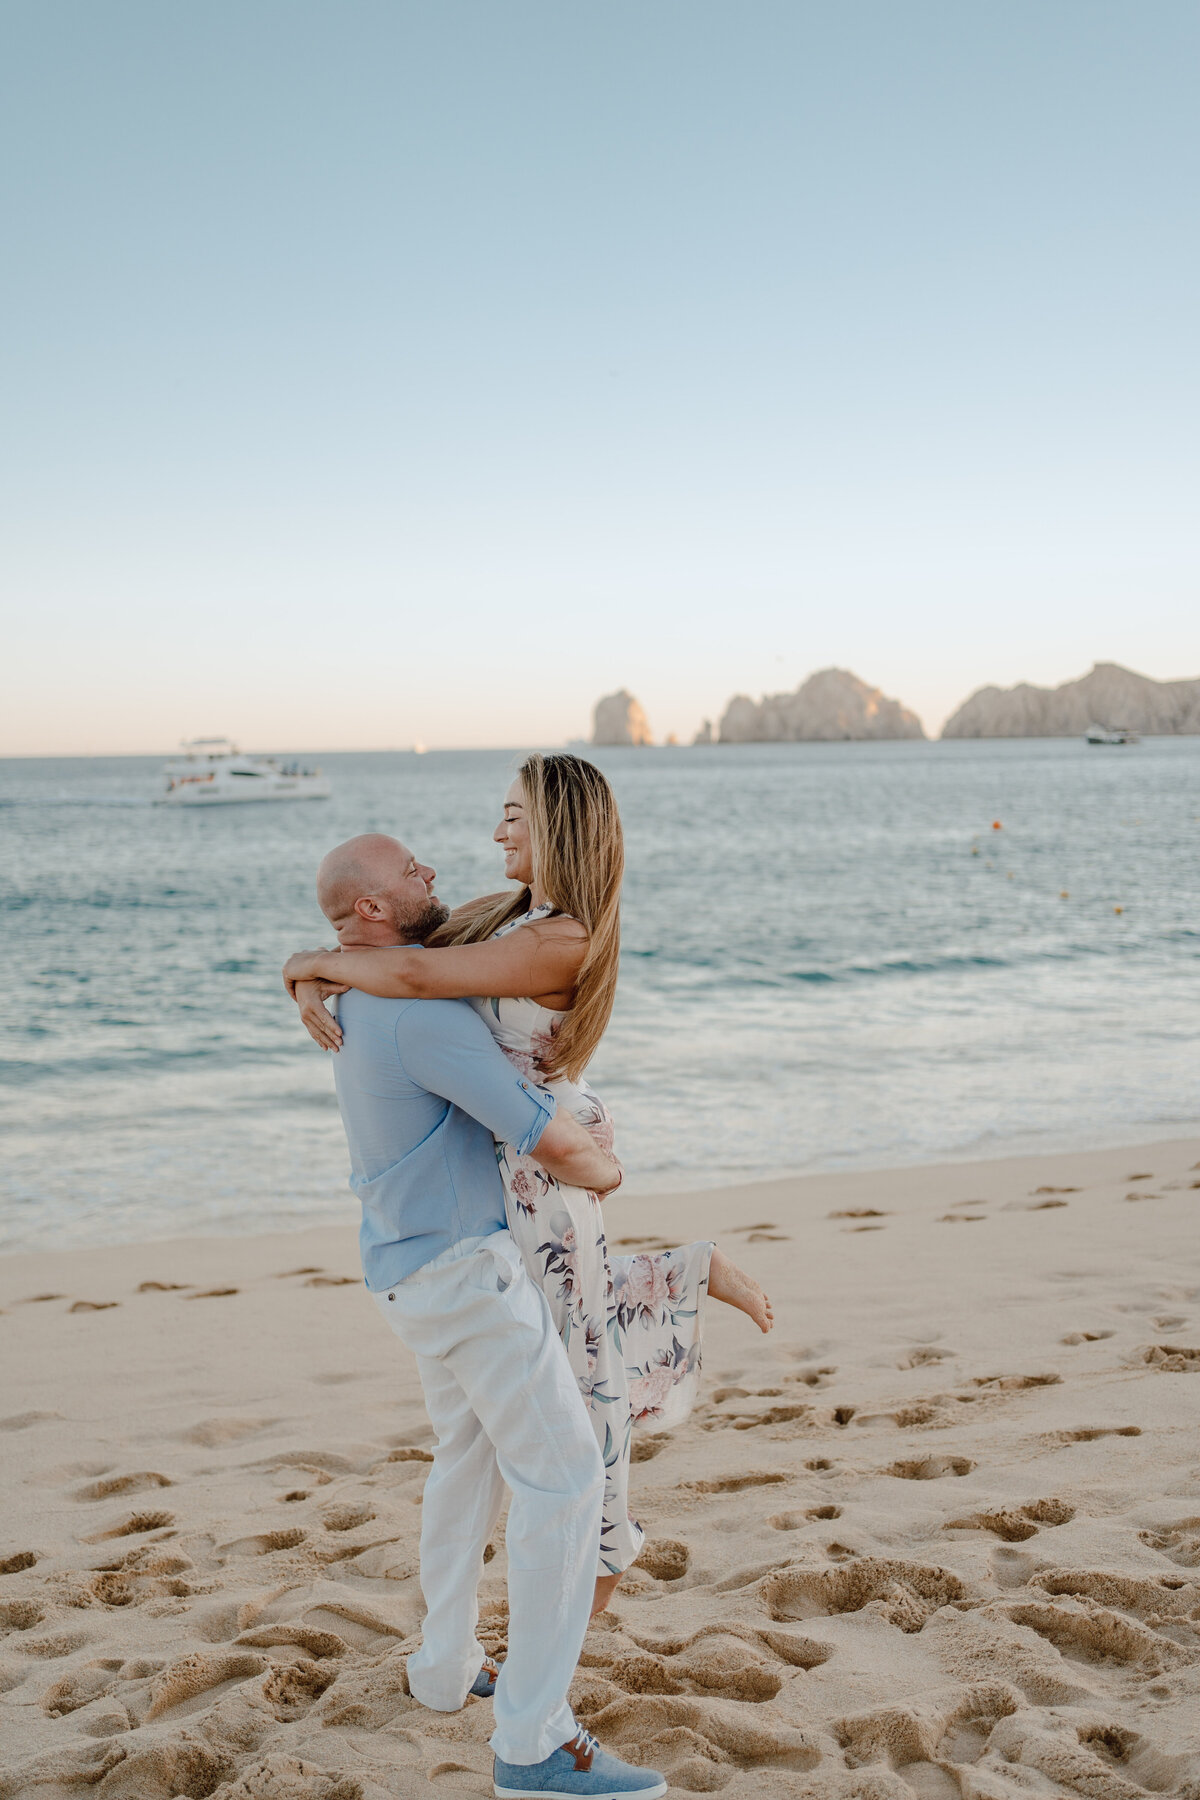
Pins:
x: 507, y: 1411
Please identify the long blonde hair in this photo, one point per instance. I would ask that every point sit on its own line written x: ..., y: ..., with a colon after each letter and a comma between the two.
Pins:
x: 578, y: 862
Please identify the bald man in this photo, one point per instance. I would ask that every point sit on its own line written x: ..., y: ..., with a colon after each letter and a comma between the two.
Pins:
x: 424, y: 1093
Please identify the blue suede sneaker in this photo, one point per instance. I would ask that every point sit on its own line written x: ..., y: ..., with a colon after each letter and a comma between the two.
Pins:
x: 484, y: 1683
x: 580, y: 1768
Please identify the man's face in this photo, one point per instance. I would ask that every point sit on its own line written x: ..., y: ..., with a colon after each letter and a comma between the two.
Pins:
x: 409, y: 901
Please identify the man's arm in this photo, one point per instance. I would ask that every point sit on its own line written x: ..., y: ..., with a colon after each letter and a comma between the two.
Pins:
x: 447, y: 1048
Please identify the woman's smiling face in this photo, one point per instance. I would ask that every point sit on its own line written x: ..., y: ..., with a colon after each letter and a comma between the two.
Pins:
x: 513, y: 834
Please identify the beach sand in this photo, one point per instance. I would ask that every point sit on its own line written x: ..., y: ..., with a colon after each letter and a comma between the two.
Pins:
x: 938, y: 1535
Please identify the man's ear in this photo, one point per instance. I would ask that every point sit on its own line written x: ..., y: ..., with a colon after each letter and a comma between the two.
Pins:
x: 367, y: 907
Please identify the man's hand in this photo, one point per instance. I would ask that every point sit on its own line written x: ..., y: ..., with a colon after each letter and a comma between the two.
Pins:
x: 319, y: 1022
x: 572, y: 1155
x: 302, y: 967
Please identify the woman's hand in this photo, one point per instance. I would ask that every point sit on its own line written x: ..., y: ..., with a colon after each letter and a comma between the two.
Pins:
x: 319, y: 1022
x: 303, y: 967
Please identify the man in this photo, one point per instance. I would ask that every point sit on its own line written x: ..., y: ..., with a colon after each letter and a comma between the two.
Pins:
x: 424, y: 1092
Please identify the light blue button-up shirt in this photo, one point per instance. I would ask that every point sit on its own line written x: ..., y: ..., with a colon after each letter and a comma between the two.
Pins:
x: 424, y: 1092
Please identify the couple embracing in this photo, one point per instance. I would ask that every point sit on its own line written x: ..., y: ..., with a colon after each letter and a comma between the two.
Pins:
x: 481, y: 1158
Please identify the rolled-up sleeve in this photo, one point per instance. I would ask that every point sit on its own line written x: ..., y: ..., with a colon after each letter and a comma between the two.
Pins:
x: 445, y: 1047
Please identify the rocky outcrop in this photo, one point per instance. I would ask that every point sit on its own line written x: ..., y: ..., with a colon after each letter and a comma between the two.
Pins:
x: 1107, y: 695
x: 832, y: 706
x: 619, y: 719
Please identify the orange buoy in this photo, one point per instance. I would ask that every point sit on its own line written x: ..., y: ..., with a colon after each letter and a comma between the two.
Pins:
x: 996, y: 825
x: 1118, y: 909
x: 1064, y: 895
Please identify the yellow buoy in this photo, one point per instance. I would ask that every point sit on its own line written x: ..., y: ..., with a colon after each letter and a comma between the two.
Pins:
x: 1118, y: 909
x: 1064, y: 895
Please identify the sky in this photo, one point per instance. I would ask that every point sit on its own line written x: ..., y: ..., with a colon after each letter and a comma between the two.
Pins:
x: 380, y: 372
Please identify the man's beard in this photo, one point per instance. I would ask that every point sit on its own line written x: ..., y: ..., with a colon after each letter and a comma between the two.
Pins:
x: 415, y: 927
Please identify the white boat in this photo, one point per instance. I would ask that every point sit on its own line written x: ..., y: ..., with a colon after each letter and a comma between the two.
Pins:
x: 1110, y: 734
x: 214, y: 772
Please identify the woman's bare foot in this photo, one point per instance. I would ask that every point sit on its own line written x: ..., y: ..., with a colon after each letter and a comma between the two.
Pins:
x: 729, y: 1283
x: 606, y: 1587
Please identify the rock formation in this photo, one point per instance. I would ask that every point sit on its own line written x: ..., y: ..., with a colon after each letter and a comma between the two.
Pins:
x: 619, y: 719
x: 830, y: 707
x: 1108, y: 695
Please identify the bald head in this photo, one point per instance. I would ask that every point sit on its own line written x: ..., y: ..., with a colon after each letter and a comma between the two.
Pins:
x: 373, y: 890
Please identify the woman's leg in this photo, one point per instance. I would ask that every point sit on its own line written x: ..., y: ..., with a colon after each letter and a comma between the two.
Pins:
x: 606, y: 1587
x: 732, y: 1285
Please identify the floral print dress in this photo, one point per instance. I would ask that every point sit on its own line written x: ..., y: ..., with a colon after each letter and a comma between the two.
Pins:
x: 630, y: 1324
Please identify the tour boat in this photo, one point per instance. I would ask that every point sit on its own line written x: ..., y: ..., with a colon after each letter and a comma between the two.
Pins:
x: 1110, y: 734
x: 214, y: 772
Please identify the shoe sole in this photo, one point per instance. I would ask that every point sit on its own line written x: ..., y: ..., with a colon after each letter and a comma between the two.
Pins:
x: 646, y: 1793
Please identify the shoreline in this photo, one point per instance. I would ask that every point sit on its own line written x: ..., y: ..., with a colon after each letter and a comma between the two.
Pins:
x: 764, y: 1186
x: 939, y: 1527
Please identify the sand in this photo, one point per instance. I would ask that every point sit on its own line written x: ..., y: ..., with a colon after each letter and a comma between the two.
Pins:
x: 939, y: 1535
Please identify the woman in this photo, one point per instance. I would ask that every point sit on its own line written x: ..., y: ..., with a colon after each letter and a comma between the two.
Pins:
x: 546, y: 958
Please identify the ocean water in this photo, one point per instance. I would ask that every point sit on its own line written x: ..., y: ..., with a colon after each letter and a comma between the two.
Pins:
x: 831, y: 958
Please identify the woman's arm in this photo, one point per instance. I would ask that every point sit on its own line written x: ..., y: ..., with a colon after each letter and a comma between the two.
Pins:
x: 541, y: 960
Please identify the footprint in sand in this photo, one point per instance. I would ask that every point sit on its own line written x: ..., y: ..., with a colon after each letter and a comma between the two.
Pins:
x: 287, y: 1274
x: 196, y: 1674
x: 735, y: 1484
x: 1179, y: 1541
x: 1171, y: 1359
x: 1086, y: 1337
x: 346, y: 1518
x: 645, y: 1449
x: 818, y: 1377
x: 22, y: 1421
x: 211, y: 1433
x: 1015, y: 1524
x: 1099, y: 1637
x: 667, y: 1559
x: 263, y: 1543
x: 20, y: 1559
x: 931, y: 1468
x: 334, y: 1281
x: 161, y: 1287
x: 85, y: 1306
x: 211, y: 1294
x: 858, y: 1212
x: 20, y: 1615
x: 924, y: 1353
x: 771, y: 1415
x: 1088, y: 1434
x: 1012, y: 1384
x: 131, y: 1526
x: 39, y: 1299
x: 908, y: 1593
x: 109, y: 1485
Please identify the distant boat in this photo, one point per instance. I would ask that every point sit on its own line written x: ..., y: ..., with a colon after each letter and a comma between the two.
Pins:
x: 1110, y: 734
x: 214, y: 772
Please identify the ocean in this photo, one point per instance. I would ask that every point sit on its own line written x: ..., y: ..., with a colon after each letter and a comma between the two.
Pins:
x: 834, y: 956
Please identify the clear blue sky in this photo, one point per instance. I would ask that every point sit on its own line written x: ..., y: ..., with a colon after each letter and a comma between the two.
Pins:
x: 380, y: 371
